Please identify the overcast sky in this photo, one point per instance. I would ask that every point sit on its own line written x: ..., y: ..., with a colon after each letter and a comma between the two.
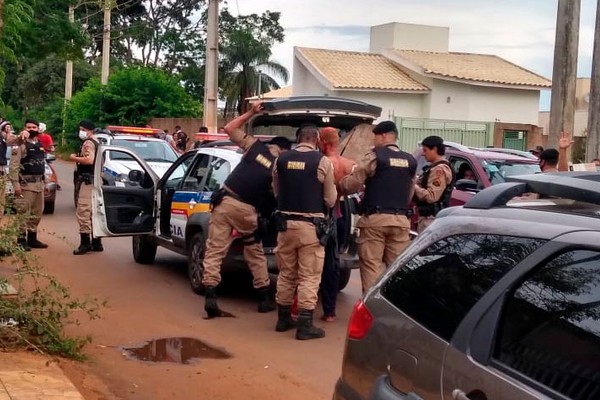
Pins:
x: 521, y: 31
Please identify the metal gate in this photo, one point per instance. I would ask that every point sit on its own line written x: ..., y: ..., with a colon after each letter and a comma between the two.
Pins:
x: 515, y: 140
x: 411, y: 131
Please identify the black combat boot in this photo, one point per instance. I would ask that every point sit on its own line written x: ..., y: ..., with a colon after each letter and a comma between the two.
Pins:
x: 22, y: 241
x: 33, y: 241
x: 210, y: 303
x: 285, y: 322
x: 97, y: 244
x: 265, y: 303
x: 306, y: 329
x: 85, y: 245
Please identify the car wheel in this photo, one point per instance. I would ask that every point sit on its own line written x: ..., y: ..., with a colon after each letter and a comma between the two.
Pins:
x: 49, y: 207
x: 196, y: 262
x: 144, y: 250
x: 344, y: 278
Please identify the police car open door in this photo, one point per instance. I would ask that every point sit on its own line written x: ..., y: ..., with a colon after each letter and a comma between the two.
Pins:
x: 123, y: 204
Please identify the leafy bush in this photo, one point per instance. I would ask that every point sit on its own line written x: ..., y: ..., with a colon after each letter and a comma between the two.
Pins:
x: 36, y: 316
x: 131, y: 97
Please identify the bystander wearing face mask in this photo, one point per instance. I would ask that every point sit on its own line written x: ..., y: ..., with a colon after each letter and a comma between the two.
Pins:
x: 83, y: 134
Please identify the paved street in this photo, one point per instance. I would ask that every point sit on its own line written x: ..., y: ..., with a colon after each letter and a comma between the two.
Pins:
x: 154, y: 302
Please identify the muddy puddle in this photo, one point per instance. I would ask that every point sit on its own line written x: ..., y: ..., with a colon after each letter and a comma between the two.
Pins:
x: 173, y: 350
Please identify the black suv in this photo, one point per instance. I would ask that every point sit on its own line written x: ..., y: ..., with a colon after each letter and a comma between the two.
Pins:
x: 498, y: 299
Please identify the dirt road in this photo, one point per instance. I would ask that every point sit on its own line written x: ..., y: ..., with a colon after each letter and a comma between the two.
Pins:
x: 153, y: 302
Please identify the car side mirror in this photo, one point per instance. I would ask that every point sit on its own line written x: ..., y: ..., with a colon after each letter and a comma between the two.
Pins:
x: 50, y: 157
x: 466, y: 185
x: 136, y: 176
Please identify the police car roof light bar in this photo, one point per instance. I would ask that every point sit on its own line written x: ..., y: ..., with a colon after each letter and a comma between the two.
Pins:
x: 133, y: 130
x: 578, y: 186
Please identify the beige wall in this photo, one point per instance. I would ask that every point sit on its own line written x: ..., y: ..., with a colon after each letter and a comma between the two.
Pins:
x: 581, y: 120
x: 188, y: 125
x: 392, y: 104
x: 305, y: 84
x: 447, y: 100
x: 397, y: 35
x: 505, y: 105
x: 582, y: 88
x: 458, y: 101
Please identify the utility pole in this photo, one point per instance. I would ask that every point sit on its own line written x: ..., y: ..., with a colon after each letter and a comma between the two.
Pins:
x: 68, y: 80
x: 564, y: 74
x: 211, y: 69
x: 260, y: 83
x: 69, y: 69
x: 592, y: 149
x: 106, y: 43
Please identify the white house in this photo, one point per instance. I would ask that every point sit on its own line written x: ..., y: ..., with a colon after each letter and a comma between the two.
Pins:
x: 410, y: 72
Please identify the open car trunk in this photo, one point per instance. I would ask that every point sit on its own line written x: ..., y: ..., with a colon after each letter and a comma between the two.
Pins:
x: 283, y: 117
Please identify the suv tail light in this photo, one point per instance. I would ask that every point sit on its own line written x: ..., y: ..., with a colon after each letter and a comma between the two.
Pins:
x: 361, y: 321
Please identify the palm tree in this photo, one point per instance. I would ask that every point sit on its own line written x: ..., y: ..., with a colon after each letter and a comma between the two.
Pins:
x: 242, y: 59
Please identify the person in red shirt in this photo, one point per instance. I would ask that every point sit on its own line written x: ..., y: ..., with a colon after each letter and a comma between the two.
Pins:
x: 342, y: 166
x: 45, y: 139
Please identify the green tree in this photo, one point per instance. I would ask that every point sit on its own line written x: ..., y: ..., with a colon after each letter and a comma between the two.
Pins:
x: 35, y: 30
x: 245, y: 46
x: 45, y: 80
x: 14, y: 18
x: 131, y: 97
x: 246, y: 60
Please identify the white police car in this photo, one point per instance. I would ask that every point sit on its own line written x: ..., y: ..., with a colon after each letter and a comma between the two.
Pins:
x: 157, y: 153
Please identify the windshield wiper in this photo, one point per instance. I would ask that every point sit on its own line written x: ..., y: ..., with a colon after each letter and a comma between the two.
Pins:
x: 158, y: 160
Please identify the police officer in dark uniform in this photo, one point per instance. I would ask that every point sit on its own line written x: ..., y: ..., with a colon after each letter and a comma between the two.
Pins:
x: 304, y: 185
x: 387, y: 175
x: 245, y: 192
x: 434, y: 188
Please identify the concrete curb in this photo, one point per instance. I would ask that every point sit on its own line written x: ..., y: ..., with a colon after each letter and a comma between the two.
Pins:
x: 32, y: 377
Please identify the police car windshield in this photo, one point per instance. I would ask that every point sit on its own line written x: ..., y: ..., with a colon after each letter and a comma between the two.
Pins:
x: 148, y: 150
x: 498, y: 171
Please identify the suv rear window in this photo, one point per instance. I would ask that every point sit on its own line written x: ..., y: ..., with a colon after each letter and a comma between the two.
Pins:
x: 439, y: 286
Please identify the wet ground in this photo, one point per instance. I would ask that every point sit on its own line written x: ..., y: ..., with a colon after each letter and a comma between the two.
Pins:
x: 174, y: 350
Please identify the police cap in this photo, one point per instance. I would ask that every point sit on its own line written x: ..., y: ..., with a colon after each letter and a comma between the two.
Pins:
x: 385, y: 127
x: 87, y: 124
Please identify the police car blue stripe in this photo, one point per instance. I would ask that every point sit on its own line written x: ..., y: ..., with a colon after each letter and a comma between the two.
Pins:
x: 110, y: 171
x: 199, y: 197
x: 181, y: 197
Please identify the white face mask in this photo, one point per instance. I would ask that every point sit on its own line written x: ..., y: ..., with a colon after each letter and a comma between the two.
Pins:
x: 83, y: 135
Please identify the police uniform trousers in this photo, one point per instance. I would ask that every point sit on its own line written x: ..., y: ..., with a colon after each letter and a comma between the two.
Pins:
x: 424, y: 222
x: 84, y: 208
x: 330, y: 278
x: 300, y: 259
x: 31, y: 204
x: 229, y: 215
x: 382, y: 238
